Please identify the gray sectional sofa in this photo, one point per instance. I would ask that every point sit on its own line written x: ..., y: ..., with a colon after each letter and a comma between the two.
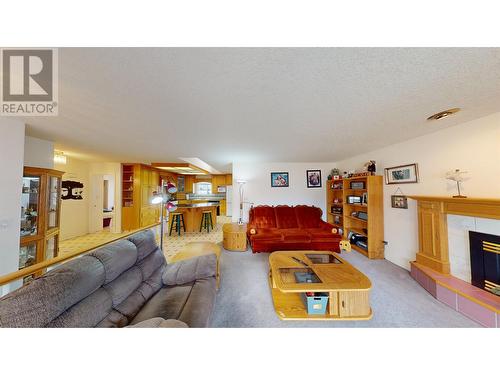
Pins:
x: 126, y: 283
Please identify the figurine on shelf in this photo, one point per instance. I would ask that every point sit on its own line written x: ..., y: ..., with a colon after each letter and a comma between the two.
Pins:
x: 335, y: 173
x: 345, y: 174
x: 371, y: 167
x: 458, y: 176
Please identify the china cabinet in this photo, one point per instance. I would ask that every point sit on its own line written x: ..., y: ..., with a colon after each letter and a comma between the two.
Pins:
x: 40, y: 215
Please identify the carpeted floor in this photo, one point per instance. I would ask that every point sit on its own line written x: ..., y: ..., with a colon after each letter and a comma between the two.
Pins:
x: 244, y: 298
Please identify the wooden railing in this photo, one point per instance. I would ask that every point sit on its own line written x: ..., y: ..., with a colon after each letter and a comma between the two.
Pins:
x: 7, y: 279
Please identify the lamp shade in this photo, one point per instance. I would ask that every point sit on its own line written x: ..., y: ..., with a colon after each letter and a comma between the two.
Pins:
x: 171, y: 207
x: 171, y: 188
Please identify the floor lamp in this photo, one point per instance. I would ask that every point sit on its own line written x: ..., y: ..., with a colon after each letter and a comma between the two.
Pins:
x: 161, y: 199
x: 241, y: 183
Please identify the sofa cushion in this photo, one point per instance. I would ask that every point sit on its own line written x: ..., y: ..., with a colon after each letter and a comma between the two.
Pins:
x: 268, y: 235
x: 285, y: 217
x: 116, y: 258
x: 167, y: 303
x: 318, y: 233
x: 47, y: 297
x: 188, y: 270
x: 145, y: 242
x: 308, y: 217
x: 151, y: 263
x: 160, y: 323
x: 295, y: 235
x: 86, y: 313
x: 263, y: 217
x: 197, y: 311
x: 123, y: 286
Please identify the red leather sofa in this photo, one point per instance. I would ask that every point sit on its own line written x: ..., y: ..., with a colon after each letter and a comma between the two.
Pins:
x: 290, y: 228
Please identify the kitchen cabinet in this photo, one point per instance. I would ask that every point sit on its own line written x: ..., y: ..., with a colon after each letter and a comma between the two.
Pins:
x: 139, y: 182
x: 218, y: 180
x: 229, y: 179
x: 223, y: 207
x: 188, y: 184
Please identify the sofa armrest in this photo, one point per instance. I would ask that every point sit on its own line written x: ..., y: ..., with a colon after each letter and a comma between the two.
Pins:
x: 189, y: 270
x: 159, y: 323
x: 328, y: 226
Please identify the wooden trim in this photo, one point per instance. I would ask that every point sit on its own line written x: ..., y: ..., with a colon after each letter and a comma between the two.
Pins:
x: 181, y: 165
x: 47, y: 263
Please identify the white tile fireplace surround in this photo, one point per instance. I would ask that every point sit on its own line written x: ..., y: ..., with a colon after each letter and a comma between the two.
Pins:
x: 458, y: 241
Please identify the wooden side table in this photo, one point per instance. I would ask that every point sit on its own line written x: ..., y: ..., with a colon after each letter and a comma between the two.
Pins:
x: 234, y: 237
x: 194, y: 249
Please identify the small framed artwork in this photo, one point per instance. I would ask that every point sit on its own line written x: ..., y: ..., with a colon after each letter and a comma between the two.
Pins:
x: 280, y: 179
x: 402, y: 174
x: 399, y: 201
x: 313, y: 178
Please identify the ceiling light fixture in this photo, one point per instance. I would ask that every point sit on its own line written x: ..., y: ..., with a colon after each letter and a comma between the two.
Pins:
x: 443, y: 114
x: 59, y: 157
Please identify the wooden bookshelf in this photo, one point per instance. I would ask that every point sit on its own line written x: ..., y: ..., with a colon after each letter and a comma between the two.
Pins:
x: 334, y: 191
x: 373, y: 227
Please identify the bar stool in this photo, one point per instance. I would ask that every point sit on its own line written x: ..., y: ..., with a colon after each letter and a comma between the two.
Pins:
x: 206, y: 221
x: 177, y: 220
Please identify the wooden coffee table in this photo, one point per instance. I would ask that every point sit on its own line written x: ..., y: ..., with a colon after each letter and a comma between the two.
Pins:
x: 348, y: 288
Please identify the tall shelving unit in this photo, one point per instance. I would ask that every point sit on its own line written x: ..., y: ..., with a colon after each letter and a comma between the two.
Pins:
x: 373, y: 227
x: 334, y: 204
x: 340, y: 212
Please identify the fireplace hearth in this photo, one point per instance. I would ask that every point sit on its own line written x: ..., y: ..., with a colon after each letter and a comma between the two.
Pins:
x: 485, y: 261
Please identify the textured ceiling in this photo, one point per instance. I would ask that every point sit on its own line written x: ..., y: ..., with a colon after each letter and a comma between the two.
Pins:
x: 224, y: 105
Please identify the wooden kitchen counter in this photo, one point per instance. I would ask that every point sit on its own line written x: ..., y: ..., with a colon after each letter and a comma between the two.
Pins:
x: 193, y: 214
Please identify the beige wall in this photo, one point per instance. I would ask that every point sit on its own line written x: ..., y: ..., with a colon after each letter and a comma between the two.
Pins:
x: 258, y: 188
x: 38, y: 153
x: 473, y: 146
x: 11, y: 165
x: 75, y: 213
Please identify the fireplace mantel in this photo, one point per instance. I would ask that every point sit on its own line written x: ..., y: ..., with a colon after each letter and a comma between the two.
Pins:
x: 433, y: 225
x: 432, y: 266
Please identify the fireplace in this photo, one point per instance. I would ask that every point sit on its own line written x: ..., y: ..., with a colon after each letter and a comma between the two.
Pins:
x: 485, y: 261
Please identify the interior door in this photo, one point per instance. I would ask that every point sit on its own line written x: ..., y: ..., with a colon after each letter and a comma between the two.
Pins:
x: 96, y: 203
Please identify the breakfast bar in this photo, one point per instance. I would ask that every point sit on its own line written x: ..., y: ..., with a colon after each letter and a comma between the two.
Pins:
x: 193, y: 213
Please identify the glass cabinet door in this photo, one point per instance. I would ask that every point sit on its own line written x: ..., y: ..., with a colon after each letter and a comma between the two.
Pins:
x: 27, y: 255
x: 30, y: 203
x: 53, y: 202
x: 51, y: 248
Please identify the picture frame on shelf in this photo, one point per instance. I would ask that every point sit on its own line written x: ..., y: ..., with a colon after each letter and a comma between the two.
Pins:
x: 399, y: 201
x: 313, y: 178
x: 280, y: 179
x: 402, y: 174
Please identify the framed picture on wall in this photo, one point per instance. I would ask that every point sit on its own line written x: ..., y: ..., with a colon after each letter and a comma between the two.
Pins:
x: 313, y: 178
x: 399, y: 201
x: 280, y: 179
x: 402, y: 174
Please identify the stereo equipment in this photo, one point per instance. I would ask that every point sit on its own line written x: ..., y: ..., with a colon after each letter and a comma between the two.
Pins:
x: 357, y: 185
x: 353, y: 199
x: 362, y: 215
